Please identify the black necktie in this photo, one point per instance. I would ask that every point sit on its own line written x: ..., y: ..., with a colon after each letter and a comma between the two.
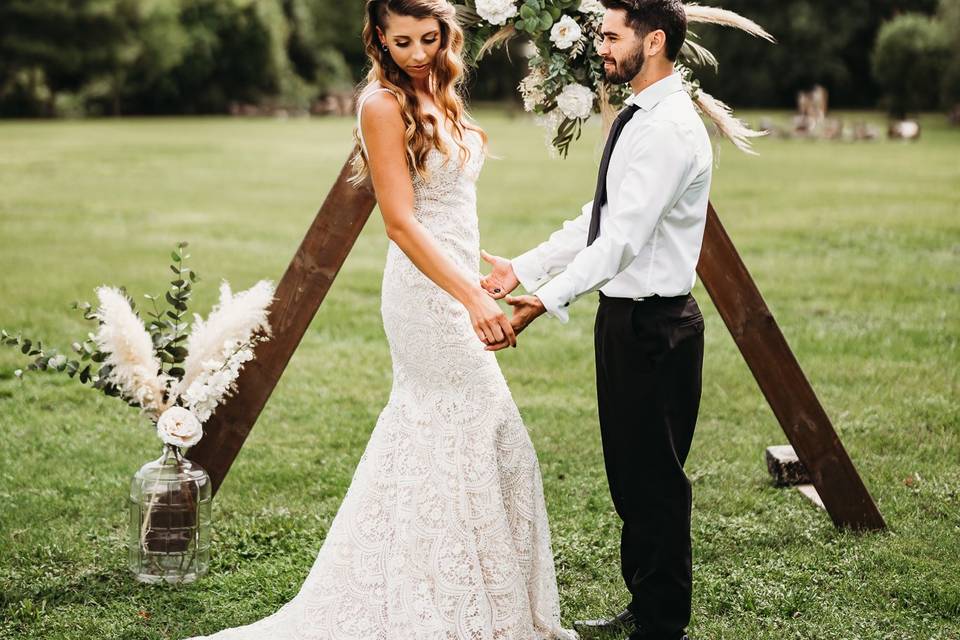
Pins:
x: 600, y: 198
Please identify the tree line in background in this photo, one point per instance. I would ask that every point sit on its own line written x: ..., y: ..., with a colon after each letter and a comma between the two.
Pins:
x: 104, y: 57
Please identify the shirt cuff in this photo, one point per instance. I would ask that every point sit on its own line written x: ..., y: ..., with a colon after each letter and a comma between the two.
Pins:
x: 529, y: 271
x: 556, y: 297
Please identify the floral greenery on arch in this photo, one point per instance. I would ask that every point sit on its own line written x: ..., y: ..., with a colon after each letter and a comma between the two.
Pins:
x: 565, y: 84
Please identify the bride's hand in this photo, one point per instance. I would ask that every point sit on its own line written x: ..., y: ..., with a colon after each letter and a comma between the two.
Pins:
x: 502, y: 280
x: 489, y: 322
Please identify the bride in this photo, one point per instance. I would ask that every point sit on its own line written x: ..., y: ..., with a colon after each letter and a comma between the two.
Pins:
x: 443, y: 533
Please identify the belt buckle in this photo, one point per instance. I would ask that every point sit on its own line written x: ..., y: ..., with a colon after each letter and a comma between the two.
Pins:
x: 639, y: 299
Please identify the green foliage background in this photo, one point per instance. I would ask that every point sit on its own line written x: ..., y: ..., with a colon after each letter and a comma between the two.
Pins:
x: 100, y: 57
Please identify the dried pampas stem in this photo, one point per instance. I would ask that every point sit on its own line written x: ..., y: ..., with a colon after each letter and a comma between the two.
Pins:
x: 733, y: 129
x: 134, y: 366
x: 236, y: 319
x: 607, y: 113
x: 722, y: 17
x: 501, y: 36
x: 698, y: 54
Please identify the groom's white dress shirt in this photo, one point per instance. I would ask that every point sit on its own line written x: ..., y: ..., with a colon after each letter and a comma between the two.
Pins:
x: 651, y: 228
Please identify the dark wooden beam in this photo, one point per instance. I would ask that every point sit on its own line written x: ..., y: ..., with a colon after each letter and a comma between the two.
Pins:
x: 782, y: 381
x: 299, y: 294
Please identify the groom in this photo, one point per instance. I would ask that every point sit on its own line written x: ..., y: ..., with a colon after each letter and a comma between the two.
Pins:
x: 638, y: 242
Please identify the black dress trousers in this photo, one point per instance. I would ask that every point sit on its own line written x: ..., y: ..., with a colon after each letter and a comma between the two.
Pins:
x: 649, y: 357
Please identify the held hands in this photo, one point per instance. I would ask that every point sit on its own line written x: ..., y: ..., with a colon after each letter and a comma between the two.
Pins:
x: 489, y: 321
x: 526, y: 309
x: 501, y: 282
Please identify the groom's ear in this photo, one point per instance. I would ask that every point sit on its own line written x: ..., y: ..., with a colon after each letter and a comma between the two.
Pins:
x: 655, y: 43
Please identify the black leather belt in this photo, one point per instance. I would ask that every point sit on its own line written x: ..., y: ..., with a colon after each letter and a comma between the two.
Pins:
x: 654, y: 299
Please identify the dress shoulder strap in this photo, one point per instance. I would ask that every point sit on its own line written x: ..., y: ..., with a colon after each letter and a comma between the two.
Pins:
x: 360, y: 103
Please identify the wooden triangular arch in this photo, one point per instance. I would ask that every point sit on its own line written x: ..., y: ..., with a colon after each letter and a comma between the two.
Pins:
x: 724, y: 275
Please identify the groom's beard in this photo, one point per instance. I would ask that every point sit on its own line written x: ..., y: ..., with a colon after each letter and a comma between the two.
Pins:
x: 626, y: 70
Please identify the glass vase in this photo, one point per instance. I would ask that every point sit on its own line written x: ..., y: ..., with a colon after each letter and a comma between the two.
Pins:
x: 169, y: 533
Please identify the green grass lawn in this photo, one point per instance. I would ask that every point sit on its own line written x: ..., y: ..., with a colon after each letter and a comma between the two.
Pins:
x: 856, y: 248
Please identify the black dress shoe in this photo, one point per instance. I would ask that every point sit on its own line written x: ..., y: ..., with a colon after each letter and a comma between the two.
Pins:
x: 623, y: 621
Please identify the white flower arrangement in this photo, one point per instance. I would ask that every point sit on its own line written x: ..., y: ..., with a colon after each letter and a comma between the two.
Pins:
x: 179, y: 427
x: 563, y: 38
x: 496, y: 11
x: 177, y: 387
x: 591, y: 6
x: 565, y: 32
x: 576, y: 101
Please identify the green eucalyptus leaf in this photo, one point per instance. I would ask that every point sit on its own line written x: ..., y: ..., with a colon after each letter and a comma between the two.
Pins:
x: 177, y: 352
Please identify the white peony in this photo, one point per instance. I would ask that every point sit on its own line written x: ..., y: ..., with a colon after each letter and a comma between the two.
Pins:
x: 179, y: 427
x: 591, y: 6
x: 496, y: 11
x: 575, y: 101
x: 565, y: 32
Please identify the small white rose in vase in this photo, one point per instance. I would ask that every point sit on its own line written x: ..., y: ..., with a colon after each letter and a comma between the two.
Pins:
x: 179, y: 427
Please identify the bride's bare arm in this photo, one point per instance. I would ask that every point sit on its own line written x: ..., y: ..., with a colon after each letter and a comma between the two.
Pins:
x: 383, y: 133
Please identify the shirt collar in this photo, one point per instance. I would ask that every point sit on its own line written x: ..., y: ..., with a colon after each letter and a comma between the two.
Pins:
x: 652, y: 95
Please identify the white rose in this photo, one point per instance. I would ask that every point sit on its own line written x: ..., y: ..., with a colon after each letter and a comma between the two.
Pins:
x: 565, y: 32
x: 179, y: 427
x: 496, y: 11
x: 591, y: 6
x: 575, y: 101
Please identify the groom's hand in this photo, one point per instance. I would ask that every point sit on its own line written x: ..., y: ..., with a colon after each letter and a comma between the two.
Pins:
x: 526, y: 309
x: 502, y: 280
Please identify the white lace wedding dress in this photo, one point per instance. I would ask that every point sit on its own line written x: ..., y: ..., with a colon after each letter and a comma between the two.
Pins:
x: 443, y: 533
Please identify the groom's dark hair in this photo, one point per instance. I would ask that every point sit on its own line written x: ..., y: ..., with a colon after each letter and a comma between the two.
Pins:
x: 645, y: 16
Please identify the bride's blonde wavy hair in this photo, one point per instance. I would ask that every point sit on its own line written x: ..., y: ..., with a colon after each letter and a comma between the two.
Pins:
x: 447, y: 79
